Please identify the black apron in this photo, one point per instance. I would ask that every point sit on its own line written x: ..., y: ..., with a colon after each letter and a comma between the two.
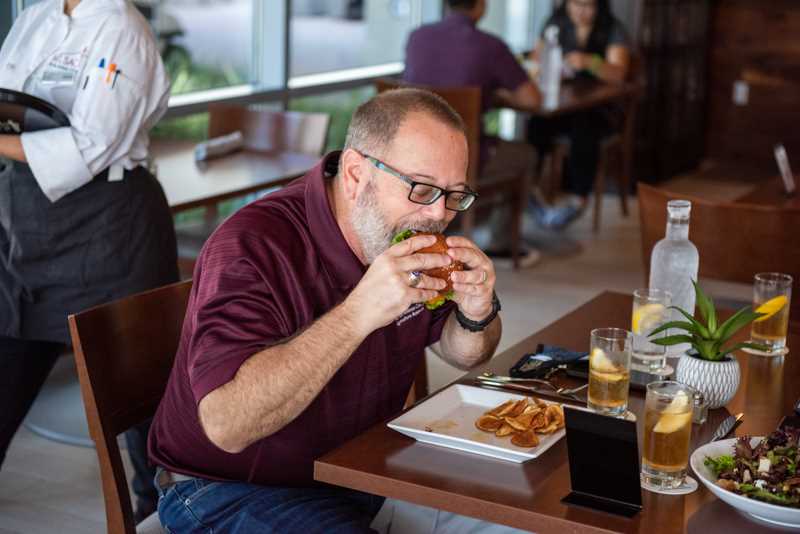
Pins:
x: 101, y: 242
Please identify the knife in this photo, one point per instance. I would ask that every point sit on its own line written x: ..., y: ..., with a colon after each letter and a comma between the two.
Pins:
x: 727, y: 426
x: 526, y: 389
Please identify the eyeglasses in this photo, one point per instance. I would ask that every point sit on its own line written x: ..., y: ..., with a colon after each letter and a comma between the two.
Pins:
x: 422, y: 193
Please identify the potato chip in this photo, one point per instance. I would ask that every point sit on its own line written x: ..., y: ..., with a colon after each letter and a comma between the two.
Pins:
x: 521, y: 422
x: 502, y: 409
x: 504, y: 430
x: 518, y: 408
x: 488, y: 423
x: 555, y: 413
x: 525, y: 439
x: 549, y: 429
x: 538, y: 421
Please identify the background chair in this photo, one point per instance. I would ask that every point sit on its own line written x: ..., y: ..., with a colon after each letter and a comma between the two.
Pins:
x: 616, y: 152
x: 124, y: 352
x: 735, y: 240
x: 467, y: 103
x: 268, y: 132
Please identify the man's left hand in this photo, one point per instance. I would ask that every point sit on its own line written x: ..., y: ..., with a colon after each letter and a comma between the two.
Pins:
x: 474, y: 286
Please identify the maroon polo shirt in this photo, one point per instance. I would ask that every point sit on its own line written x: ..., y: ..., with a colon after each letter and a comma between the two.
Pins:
x: 268, y: 272
x: 455, y: 53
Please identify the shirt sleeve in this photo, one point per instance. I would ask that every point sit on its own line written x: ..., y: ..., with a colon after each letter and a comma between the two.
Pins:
x: 107, y: 114
x: 618, y: 34
x: 507, y: 71
x: 236, y: 313
x: 440, y: 316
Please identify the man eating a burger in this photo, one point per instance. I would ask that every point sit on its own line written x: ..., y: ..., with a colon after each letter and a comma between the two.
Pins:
x: 305, y: 325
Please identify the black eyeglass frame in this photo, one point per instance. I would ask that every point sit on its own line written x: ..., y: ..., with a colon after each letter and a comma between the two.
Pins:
x: 381, y: 166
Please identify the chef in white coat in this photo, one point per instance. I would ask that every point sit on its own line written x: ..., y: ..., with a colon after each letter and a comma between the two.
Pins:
x: 82, y: 220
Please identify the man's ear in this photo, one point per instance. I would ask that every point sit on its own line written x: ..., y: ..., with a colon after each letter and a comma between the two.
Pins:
x: 352, y: 173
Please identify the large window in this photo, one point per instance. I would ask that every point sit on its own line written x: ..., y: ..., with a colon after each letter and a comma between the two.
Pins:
x: 334, y: 35
x: 206, y: 44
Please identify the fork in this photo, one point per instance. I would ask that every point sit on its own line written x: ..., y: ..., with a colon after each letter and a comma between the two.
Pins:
x: 490, y: 376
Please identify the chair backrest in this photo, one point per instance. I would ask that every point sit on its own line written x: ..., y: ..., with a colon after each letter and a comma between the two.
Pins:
x: 735, y: 240
x: 270, y: 131
x: 467, y: 103
x: 124, y: 352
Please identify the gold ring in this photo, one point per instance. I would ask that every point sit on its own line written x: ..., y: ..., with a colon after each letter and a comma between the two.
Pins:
x: 414, y: 278
x: 484, y: 277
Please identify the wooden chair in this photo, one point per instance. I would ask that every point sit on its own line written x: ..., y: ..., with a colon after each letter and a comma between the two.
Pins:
x: 266, y: 131
x: 616, y: 153
x: 735, y: 240
x: 467, y: 103
x: 124, y: 352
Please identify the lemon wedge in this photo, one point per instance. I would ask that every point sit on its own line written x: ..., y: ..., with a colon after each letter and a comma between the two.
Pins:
x: 598, y: 361
x: 672, y: 422
x: 674, y: 416
x: 771, y: 307
x: 646, y: 318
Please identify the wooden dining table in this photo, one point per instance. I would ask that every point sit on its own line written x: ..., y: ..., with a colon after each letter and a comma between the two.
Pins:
x: 528, y: 496
x: 189, y: 184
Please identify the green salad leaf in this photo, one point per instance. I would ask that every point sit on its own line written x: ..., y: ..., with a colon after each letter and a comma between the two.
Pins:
x: 402, y: 236
x: 720, y: 464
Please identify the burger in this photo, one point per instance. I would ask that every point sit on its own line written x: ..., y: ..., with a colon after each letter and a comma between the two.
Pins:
x: 443, y: 273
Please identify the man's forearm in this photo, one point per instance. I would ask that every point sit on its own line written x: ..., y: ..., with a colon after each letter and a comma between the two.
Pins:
x: 11, y: 147
x: 275, y: 385
x: 465, y: 349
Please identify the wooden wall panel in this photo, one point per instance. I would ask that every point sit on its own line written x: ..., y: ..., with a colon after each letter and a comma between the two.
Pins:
x: 759, y: 42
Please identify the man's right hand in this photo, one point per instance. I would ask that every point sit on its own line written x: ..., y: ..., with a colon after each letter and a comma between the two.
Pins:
x: 384, y: 293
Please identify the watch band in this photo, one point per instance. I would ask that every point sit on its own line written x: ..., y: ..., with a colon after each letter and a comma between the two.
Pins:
x: 478, y: 326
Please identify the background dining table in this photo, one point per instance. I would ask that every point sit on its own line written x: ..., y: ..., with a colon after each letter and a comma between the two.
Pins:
x: 528, y: 496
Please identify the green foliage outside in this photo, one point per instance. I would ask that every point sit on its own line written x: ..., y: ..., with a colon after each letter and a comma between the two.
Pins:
x: 340, y: 106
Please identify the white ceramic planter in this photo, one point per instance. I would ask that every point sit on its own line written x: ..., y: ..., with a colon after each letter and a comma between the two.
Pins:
x: 717, y: 381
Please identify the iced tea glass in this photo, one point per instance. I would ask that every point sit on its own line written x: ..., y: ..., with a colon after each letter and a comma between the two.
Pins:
x: 609, y: 370
x: 772, y: 293
x: 667, y: 429
x: 649, y: 312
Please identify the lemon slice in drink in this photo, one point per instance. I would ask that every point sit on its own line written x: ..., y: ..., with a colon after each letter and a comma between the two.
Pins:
x: 675, y: 416
x: 646, y: 318
x: 598, y: 361
x: 771, y: 307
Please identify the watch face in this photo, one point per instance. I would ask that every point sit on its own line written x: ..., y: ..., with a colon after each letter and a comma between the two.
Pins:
x: 20, y: 113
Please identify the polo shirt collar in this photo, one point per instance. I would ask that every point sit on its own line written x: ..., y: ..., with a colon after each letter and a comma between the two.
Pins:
x: 460, y: 18
x: 340, y: 261
x: 89, y: 7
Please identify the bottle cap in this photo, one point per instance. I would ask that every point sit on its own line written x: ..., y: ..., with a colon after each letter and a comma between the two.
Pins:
x: 679, y: 209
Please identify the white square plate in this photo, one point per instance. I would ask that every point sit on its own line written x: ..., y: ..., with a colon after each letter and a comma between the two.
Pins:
x: 448, y: 419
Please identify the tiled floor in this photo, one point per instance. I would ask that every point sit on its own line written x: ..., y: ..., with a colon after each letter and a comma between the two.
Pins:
x: 47, y: 487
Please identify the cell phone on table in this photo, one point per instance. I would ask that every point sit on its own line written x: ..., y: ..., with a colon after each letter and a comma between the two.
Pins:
x: 639, y: 379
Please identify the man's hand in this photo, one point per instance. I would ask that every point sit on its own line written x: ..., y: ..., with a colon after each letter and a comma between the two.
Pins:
x: 384, y: 292
x: 473, y: 287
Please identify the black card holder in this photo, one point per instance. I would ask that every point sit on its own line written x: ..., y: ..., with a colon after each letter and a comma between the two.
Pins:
x: 603, y: 462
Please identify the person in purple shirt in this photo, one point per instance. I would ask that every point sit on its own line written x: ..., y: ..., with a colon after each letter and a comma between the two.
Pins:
x: 305, y: 326
x: 455, y: 53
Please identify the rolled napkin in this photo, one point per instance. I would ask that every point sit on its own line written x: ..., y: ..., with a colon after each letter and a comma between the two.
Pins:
x: 219, y: 146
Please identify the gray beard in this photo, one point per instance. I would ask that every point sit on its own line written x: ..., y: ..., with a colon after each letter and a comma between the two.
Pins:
x: 373, y: 232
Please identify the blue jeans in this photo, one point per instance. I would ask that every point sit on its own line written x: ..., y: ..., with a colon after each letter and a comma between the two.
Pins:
x: 207, y: 506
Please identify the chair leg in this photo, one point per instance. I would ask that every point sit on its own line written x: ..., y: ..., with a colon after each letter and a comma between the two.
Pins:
x: 623, y: 183
x: 516, y: 229
x: 599, y: 190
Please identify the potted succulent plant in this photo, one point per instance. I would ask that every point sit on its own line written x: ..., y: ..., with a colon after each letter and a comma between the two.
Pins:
x: 709, y: 365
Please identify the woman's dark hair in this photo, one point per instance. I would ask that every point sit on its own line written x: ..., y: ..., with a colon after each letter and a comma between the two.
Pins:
x: 601, y: 30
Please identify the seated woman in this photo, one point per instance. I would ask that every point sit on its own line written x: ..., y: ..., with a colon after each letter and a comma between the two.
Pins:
x: 594, y: 43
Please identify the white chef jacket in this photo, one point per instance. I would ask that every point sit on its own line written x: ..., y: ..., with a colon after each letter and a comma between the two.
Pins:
x: 58, y: 59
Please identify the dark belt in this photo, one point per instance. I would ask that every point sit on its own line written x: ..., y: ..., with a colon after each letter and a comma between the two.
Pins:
x: 166, y: 479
